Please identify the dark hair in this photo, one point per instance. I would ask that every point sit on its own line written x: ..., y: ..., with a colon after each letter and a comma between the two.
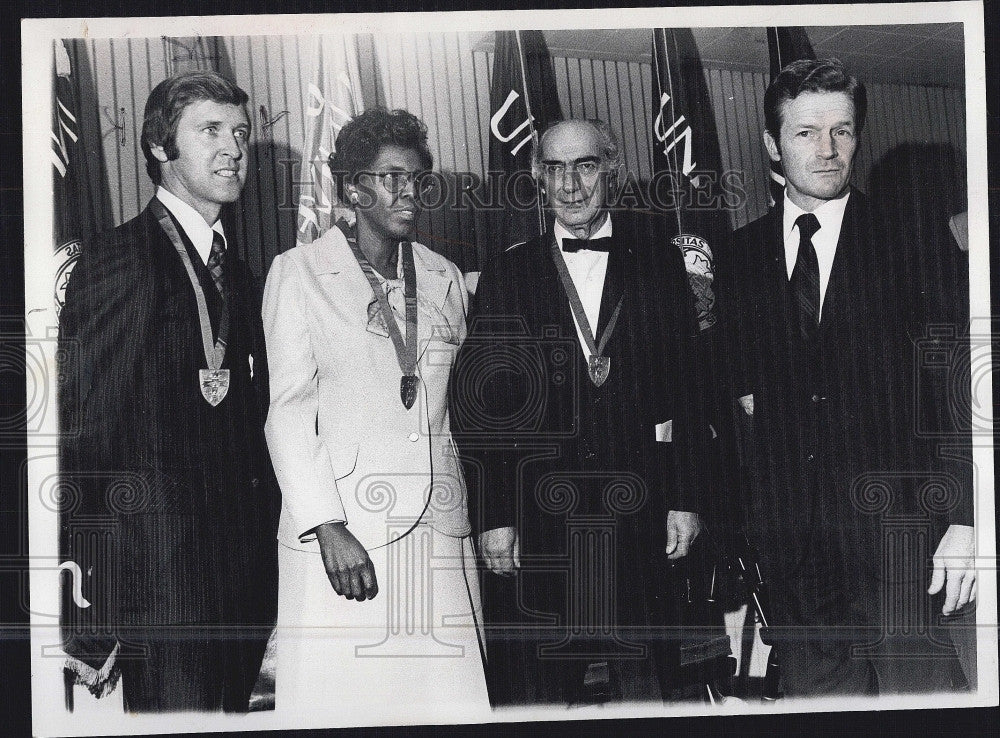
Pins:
x: 166, y: 103
x: 360, y: 140
x: 812, y: 75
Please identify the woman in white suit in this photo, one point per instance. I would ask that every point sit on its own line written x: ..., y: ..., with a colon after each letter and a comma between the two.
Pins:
x: 378, y: 598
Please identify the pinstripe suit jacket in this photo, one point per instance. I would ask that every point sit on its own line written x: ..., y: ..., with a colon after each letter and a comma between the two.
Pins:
x: 167, y: 510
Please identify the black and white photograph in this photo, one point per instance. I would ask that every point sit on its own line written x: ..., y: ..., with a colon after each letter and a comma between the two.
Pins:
x: 478, y: 367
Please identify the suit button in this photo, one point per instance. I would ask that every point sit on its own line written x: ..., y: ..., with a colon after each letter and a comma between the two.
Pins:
x: 816, y: 398
x: 810, y: 457
x: 414, y: 437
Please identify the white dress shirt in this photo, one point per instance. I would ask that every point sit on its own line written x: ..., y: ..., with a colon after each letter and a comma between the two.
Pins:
x: 195, y: 227
x: 831, y: 217
x: 587, y: 270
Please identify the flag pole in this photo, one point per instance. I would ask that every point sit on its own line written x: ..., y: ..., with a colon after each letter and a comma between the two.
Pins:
x: 531, y: 123
x: 670, y: 90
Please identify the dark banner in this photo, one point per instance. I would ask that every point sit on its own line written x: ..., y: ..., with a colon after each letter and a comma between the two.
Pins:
x: 523, y: 101
x: 74, y: 211
x: 687, y: 163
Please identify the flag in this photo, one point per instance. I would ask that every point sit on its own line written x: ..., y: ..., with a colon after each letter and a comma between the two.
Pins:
x: 785, y: 44
x: 690, y: 190
x: 72, y: 199
x: 687, y: 161
x: 523, y: 102
x: 333, y: 97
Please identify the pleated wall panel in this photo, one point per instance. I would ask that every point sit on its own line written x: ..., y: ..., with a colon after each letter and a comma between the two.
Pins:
x: 441, y: 79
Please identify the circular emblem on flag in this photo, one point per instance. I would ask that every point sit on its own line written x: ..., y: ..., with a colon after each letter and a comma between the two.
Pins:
x: 701, y: 273
x: 65, y: 257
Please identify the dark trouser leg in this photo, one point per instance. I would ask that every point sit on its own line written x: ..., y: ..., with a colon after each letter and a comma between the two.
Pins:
x: 240, y: 660
x: 526, y: 666
x: 814, y: 630
x: 960, y: 628
x: 181, y: 670
x: 816, y: 663
x: 873, y: 641
x: 170, y: 672
x: 915, y: 653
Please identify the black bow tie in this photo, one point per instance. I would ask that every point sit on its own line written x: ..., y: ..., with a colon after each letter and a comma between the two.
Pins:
x: 572, y: 245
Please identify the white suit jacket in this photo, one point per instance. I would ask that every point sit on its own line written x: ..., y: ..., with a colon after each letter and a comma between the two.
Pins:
x: 342, y: 444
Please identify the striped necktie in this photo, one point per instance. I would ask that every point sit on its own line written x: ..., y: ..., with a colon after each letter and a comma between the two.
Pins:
x: 805, y: 276
x: 216, y: 262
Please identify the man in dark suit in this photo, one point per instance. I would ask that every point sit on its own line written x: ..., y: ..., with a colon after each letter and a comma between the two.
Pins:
x: 572, y: 411
x: 849, y: 504
x: 166, y: 511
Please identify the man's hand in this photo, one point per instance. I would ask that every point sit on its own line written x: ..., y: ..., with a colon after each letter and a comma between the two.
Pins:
x: 347, y: 564
x: 682, y: 529
x: 500, y: 549
x: 954, y: 563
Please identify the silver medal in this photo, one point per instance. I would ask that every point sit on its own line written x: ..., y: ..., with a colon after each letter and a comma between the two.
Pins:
x: 214, y: 385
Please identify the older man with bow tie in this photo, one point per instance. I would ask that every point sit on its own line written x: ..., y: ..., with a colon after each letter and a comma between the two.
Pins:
x: 575, y: 418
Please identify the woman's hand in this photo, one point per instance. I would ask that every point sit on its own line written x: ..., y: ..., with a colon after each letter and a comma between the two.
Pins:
x: 501, y: 550
x: 347, y: 564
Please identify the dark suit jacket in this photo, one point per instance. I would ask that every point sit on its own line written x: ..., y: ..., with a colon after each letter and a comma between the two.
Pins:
x: 842, y: 475
x: 546, y: 450
x: 167, y: 512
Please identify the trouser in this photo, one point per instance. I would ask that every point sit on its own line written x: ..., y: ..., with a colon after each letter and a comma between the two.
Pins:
x: 183, y: 668
x: 532, y: 663
x: 536, y: 658
x: 867, y: 639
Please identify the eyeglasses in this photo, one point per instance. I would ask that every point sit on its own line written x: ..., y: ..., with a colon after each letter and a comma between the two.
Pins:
x: 587, y: 168
x: 397, y: 181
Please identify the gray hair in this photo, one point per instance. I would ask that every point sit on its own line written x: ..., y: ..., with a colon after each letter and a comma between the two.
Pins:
x: 611, y: 150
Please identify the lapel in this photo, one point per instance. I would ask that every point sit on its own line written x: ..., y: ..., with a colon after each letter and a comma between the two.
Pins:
x: 775, y: 304
x: 840, y: 290
x: 332, y: 255
x: 775, y: 284
x: 212, y: 298
x: 614, y: 279
x: 550, y: 284
x: 433, y: 285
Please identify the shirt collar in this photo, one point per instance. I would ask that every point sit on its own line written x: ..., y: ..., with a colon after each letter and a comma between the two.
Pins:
x: 560, y: 231
x: 830, y: 214
x: 200, y: 232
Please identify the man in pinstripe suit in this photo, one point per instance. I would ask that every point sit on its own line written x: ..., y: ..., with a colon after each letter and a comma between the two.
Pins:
x: 167, y: 515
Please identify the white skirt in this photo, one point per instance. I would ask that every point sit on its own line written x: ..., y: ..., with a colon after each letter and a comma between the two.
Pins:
x: 413, y: 654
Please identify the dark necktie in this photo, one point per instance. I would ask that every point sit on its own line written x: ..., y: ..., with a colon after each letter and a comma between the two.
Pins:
x: 572, y: 245
x: 805, y: 276
x: 216, y: 261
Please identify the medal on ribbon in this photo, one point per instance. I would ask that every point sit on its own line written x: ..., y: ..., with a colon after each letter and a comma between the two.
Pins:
x: 598, y: 365
x: 213, y: 381
x: 406, y: 349
x: 408, y: 389
x: 214, y: 385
